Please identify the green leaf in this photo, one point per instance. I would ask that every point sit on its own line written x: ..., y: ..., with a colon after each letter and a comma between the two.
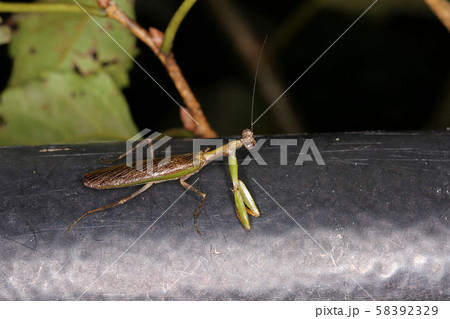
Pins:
x: 71, y: 41
x: 5, y: 34
x: 64, y: 108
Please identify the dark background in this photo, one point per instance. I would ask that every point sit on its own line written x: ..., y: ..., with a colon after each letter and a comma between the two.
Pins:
x: 390, y: 71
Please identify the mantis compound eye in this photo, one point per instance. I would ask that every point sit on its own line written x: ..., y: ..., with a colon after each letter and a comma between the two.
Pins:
x: 250, y: 144
x: 247, y: 138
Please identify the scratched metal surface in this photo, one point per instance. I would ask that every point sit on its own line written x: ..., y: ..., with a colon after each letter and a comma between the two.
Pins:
x: 370, y: 224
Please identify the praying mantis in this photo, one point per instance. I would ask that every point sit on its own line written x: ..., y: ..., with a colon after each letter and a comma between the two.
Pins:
x: 179, y: 167
x: 176, y: 167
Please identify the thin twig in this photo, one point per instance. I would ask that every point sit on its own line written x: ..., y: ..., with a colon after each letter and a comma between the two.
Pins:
x: 49, y: 7
x: 441, y: 9
x: 270, y: 85
x: 172, y: 28
x: 289, y: 28
x: 153, y: 39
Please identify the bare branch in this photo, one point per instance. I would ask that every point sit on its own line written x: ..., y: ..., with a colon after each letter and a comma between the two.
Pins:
x: 154, y: 39
x: 441, y: 9
x: 270, y: 85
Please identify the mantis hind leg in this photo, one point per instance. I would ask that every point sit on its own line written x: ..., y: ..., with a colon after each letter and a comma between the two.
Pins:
x: 120, y: 202
x: 203, y: 195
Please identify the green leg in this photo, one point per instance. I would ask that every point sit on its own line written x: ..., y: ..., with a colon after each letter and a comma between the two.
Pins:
x: 252, y: 209
x: 240, y: 206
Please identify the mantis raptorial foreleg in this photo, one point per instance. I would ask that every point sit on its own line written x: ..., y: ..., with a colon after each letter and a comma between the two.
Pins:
x: 251, y: 207
x: 203, y: 195
x: 120, y: 202
x: 244, y: 201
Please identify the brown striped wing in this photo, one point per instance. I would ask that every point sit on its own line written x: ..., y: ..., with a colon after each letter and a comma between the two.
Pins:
x: 123, y: 175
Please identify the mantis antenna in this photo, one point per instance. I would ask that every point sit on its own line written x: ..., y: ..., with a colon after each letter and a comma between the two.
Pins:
x: 254, y: 82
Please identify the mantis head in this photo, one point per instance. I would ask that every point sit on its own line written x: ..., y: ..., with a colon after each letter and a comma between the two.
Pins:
x: 247, y: 139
